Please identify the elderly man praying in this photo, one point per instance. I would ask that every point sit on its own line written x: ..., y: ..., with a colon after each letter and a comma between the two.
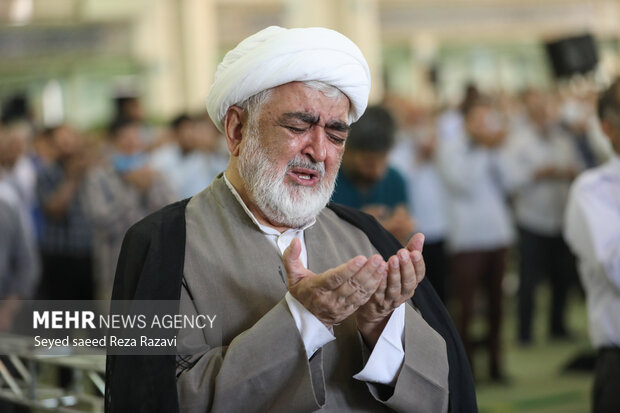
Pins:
x: 315, y: 298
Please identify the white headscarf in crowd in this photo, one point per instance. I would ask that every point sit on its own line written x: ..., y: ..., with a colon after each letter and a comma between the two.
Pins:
x: 275, y: 56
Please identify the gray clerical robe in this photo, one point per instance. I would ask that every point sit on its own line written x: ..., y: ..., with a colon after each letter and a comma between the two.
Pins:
x: 254, y: 359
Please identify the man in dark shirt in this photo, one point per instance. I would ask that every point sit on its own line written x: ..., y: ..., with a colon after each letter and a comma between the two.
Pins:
x: 365, y: 181
x: 67, y: 240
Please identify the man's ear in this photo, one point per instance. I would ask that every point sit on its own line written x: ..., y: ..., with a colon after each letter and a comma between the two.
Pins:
x: 234, y: 121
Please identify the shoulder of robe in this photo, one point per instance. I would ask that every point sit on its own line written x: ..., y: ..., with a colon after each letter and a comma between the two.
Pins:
x: 150, y: 264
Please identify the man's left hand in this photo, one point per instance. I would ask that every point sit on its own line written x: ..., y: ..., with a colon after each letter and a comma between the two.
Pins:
x: 406, y: 270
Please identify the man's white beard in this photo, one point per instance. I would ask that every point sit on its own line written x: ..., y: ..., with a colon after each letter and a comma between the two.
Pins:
x: 291, y: 205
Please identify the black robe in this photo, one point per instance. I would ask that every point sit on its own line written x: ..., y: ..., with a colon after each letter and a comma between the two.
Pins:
x: 150, y: 267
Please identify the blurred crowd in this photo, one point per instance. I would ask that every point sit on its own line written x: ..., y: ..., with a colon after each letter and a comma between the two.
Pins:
x: 67, y: 198
x: 480, y: 180
x: 487, y: 182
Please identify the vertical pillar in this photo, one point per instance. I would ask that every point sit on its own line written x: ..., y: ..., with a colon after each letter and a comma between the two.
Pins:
x: 156, y: 44
x: 199, y: 51
x: 360, y: 22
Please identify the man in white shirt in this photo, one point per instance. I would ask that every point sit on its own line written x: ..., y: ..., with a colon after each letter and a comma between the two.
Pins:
x: 592, y: 230
x: 414, y: 156
x: 316, y: 315
x: 539, y: 165
x: 480, y: 229
x: 186, y: 163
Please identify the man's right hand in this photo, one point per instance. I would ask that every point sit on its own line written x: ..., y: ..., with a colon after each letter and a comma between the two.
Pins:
x: 337, y: 293
x: 141, y: 178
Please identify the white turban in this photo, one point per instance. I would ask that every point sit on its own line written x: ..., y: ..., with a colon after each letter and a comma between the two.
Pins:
x: 275, y: 56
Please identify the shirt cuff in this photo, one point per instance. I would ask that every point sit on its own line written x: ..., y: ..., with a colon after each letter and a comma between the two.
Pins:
x: 313, y: 333
x: 387, y: 357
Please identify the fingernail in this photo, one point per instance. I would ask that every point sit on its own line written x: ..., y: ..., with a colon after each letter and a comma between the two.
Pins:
x: 359, y: 261
x: 394, y: 263
x: 375, y: 261
x: 402, y: 255
x: 416, y: 256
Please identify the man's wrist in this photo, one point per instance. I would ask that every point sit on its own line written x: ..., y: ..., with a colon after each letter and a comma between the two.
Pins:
x: 371, y: 330
x: 313, y: 334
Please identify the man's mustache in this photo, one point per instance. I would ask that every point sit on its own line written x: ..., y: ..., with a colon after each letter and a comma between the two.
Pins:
x: 300, y: 162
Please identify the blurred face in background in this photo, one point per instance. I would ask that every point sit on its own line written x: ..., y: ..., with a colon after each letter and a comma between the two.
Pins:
x: 12, y: 147
x: 186, y: 135
x: 424, y: 134
x: 67, y: 141
x: 127, y: 140
x: 132, y: 109
x: 477, y: 121
x: 484, y: 124
x: 365, y: 167
x: 44, y: 148
x: 207, y: 136
x: 539, y: 109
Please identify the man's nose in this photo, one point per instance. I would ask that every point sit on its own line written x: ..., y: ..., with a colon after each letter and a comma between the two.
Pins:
x: 316, y: 147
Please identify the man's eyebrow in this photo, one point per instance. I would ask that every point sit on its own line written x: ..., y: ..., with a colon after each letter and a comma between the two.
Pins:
x: 338, y: 126
x: 302, y: 116
x: 310, y: 119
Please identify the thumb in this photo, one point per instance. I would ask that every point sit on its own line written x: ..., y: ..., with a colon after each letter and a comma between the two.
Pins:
x: 295, y: 270
x: 416, y: 243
